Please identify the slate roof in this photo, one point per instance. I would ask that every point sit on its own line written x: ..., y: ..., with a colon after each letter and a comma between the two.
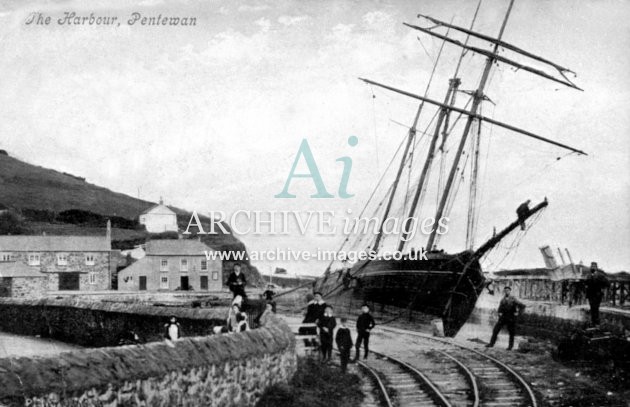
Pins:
x: 17, y: 269
x: 161, y: 207
x: 180, y: 247
x: 24, y: 243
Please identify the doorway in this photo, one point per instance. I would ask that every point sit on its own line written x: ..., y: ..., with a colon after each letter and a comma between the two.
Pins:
x: 183, y: 283
x: 143, y: 283
x: 68, y: 281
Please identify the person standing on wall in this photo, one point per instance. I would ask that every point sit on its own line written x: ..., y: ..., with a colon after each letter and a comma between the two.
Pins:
x: 344, y: 343
x: 595, y: 284
x: 365, y: 323
x: 236, y: 281
x: 326, y: 327
x: 509, y: 308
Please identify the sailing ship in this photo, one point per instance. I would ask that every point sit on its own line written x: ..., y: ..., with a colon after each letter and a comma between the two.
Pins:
x: 442, y: 285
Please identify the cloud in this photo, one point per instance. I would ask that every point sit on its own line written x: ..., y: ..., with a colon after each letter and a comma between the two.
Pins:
x: 254, y: 8
x: 289, y: 20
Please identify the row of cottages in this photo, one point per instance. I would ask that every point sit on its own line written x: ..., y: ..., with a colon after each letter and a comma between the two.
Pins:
x: 173, y: 265
x: 32, y: 265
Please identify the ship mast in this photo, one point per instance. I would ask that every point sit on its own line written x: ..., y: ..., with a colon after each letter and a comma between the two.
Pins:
x: 477, y: 98
x: 410, y: 138
x: 443, y: 115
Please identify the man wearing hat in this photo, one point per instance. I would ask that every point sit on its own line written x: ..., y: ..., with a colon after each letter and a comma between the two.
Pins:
x: 509, y: 308
x: 236, y: 281
x: 314, y: 313
x: 595, y: 283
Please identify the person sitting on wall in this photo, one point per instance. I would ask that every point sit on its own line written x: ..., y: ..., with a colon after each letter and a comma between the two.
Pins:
x: 236, y: 281
x: 268, y: 314
x: 268, y: 296
x: 129, y: 337
x: 235, y: 318
x: 242, y: 325
x: 173, y: 330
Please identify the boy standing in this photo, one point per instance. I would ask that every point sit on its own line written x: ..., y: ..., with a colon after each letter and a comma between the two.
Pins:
x: 365, y: 323
x: 326, y: 327
x: 344, y: 344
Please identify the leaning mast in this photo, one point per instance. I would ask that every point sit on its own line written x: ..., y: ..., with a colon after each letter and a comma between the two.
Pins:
x: 477, y: 98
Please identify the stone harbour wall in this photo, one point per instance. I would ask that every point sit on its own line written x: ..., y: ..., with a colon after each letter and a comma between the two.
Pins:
x: 221, y: 370
x: 553, y: 321
x: 97, y: 324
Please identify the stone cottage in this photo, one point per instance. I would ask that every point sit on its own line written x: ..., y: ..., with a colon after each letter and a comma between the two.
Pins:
x: 19, y: 280
x: 173, y: 265
x: 67, y: 262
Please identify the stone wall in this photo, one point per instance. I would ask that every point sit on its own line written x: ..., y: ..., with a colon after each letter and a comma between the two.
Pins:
x: 97, y: 324
x: 222, y: 370
x: 553, y: 321
x: 28, y: 287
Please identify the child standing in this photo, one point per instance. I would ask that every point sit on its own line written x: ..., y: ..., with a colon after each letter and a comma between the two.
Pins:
x: 344, y: 344
x: 326, y: 326
x: 365, y: 323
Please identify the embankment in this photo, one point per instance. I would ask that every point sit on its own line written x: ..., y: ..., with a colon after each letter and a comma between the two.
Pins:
x: 215, y: 370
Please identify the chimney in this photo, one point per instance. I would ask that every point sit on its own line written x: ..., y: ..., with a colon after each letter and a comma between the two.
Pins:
x: 161, y: 201
x: 550, y: 261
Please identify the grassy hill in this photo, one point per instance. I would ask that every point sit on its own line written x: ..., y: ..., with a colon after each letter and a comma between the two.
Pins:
x: 40, y: 194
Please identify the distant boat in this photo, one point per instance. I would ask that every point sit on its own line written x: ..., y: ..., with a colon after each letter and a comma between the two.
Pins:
x: 444, y: 286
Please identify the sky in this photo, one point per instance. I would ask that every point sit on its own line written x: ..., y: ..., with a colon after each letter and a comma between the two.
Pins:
x: 211, y: 116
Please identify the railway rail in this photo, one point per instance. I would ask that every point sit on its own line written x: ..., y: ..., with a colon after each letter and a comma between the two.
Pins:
x: 434, y: 371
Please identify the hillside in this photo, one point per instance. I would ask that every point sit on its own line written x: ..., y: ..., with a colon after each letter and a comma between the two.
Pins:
x: 26, y: 186
x: 39, y: 194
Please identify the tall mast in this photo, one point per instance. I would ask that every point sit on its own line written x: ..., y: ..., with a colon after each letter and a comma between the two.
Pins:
x: 477, y: 98
x: 472, y: 197
x: 411, y: 137
x: 444, y: 114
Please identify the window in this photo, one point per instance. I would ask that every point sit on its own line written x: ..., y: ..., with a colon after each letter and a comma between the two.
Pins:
x: 215, y: 275
x: 5, y: 256
x: 92, y: 278
x: 163, y: 265
x: 62, y: 259
x: 164, y: 282
x: 183, y: 265
x: 204, y: 265
x: 203, y: 282
x: 33, y: 259
x: 89, y: 259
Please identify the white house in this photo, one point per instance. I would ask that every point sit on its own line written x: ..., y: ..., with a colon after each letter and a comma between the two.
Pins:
x: 159, y: 218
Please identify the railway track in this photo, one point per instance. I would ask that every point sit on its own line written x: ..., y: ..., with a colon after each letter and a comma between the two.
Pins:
x: 431, y: 371
x: 440, y: 372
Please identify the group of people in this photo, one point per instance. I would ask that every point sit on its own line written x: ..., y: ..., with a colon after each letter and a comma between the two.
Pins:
x: 321, y: 314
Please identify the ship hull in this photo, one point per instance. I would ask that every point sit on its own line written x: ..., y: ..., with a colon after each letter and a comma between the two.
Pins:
x: 443, y: 286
